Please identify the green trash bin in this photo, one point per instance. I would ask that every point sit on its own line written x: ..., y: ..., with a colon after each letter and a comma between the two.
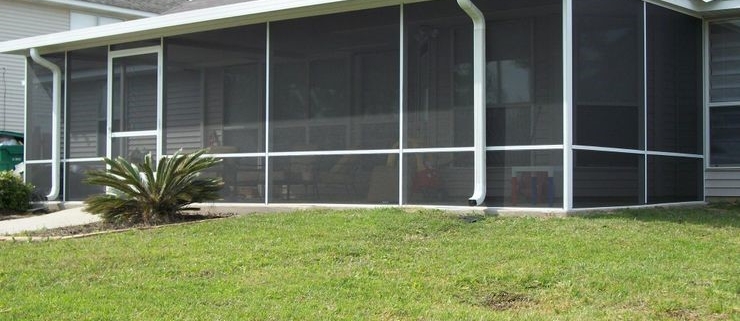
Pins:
x: 11, y: 154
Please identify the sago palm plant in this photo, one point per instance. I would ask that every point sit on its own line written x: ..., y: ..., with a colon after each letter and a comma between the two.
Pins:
x: 147, y: 194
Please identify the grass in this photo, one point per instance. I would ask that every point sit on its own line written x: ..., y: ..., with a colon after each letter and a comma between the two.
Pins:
x: 387, y: 264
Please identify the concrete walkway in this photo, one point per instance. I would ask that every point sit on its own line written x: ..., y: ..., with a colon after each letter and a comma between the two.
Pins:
x: 63, y: 218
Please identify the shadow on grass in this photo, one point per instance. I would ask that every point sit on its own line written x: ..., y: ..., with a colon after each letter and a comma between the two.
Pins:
x: 715, y: 215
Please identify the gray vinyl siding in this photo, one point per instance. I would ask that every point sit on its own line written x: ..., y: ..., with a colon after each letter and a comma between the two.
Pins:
x: 141, y: 114
x: 184, y: 115
x: 86, y: 111
x: 214, y: 111
x: 20, y: 20
x: 722, y: 182
x: 12, y: 72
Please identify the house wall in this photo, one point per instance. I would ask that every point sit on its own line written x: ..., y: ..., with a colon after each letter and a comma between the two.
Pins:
x: 19, y: 20
x: 185, y: 108
x: 722, y: 176
x: 722, y: 183
x: 87, y: 103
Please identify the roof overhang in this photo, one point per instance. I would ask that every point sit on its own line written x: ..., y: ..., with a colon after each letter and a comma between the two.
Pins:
x: 703, y: 8
x: 720, y: 8
x: 251, y: 12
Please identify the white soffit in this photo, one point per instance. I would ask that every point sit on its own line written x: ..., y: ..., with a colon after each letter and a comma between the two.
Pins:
x: 717, y: 8
x: 251, y: 12
x: 702, y: 8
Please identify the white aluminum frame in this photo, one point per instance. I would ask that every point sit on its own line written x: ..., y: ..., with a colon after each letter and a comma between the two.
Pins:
x: 36, y: 162
x: 524, y: 147
x: 705, y: 101
x: 568, y: 102
x: 25, y: 114
x: 401, y: 100
x: 156, y: 133
x: 645, y: 151
x: 266, y: 154
x: 83, y: 160
x: 566, y: 147
x: 644, y: 104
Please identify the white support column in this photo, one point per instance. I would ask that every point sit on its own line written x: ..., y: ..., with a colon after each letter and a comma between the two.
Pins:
x: 160, y: 101
x: 705, y: 101
x: 568, y: 105
x: 644, y: 105
x: 401, y: 101
x: 267, y: 114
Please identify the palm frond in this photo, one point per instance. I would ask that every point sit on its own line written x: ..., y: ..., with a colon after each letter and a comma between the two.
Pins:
x: 149, y: 193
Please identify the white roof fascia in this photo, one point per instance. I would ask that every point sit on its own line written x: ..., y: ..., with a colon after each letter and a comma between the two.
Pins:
x: 244, y: 13
x: 96, y: 7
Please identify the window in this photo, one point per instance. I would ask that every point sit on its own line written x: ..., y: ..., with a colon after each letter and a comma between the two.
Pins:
x: 724, y: 146
x: 334, y: 81
x: 607, y: 179
x: 439, y: 55
x: 508, y: 70
x: 525, y: 178
x: 87, y: 102
x: 79, y: 20
x: 637, y: 92
x: 39, y: 91
x: 524, y: 72
x: 608, y: 73
x: 675, y: 179
x: 524, y: 78
x: 674, y: 95
x: 215, y: 90
x: 724, y: 94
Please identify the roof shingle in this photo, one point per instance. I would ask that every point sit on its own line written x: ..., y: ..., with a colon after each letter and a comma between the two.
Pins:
x: 201, y: 4
x: 154, y: 6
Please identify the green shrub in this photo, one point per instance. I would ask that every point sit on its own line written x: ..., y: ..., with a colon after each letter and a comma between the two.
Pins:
x: 14, y: 193
x: 145, y: 194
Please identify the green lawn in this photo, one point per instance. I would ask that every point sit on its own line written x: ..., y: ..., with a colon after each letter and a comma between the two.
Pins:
x: 387, y: 264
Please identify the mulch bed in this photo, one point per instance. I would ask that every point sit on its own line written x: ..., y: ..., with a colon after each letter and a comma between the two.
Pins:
x: 101, y: 227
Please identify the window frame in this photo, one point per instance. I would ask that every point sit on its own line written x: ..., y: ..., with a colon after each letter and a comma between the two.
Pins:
x: 709, y: 103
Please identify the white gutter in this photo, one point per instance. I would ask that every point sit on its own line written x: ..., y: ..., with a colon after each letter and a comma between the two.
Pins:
x: 479, y: 100
x: 55, y: 116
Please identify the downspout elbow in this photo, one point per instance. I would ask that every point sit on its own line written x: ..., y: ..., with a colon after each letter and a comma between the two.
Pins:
x: 479, y: 100
x: 55, y: 118
x: 479, y: 21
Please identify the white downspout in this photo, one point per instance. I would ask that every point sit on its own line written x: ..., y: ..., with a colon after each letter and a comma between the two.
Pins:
x: 55, y: 116
x: 479, y: 99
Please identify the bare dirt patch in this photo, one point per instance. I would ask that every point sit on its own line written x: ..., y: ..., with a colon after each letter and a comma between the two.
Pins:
x: 501, y: 301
